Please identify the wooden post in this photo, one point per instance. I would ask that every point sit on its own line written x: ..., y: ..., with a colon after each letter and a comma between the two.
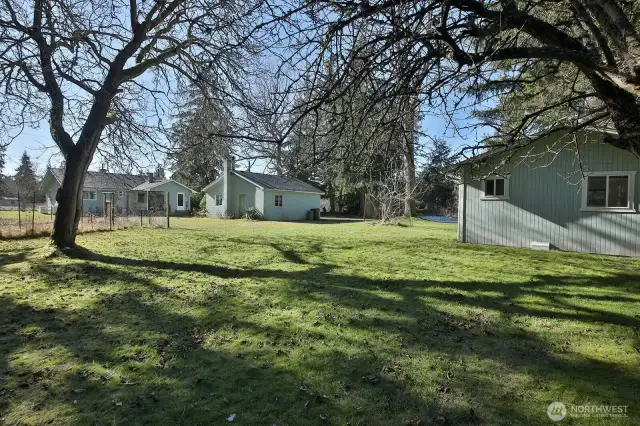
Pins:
x: 140, y: 218
x: 33, y: 214
x: 19, y: 218
x: 110, y: 213
x: 364, y: 210
x: 168, y: 207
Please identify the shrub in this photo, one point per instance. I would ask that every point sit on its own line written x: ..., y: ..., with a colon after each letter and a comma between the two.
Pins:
x: 252, y: 213
x: 225, y: 215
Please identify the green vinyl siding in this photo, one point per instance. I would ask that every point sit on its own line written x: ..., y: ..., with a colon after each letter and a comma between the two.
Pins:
x: 545, y: 184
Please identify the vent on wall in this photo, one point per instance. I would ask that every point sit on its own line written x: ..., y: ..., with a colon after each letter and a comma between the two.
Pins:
x: 536, y: 245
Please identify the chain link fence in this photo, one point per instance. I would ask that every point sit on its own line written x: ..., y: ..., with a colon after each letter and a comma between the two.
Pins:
x: 23, y: 216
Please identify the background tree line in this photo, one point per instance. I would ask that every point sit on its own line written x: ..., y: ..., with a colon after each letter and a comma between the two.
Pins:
x: 346, y: 87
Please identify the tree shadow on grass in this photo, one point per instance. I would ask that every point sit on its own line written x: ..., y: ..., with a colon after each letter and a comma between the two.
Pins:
x: 193, y: 368
x: 129, y: 360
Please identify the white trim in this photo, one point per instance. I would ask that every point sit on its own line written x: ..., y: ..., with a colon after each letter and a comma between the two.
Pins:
x: 631, y: 207
x: 212, y: 183
x: 232, y: 172
x: 90, y: 199
x: 278, y: 189
x: 293, y: 190
x: 275, y: 200
x: 215, y: 199
x: 156, y: 184
x: 504, y: 197
x: 498, y: 198
x: 184, y: 199
x: 249, y: 180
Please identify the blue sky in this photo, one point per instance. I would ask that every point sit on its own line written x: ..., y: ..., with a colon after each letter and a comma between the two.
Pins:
x: 42, y: 149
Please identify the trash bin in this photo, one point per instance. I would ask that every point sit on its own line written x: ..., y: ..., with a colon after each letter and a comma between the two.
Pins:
x: 316, y: 214
x: 310, y: 214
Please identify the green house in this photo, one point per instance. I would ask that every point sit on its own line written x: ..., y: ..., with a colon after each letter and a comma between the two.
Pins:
x: 129, y: 194
x: 275, y: 197
x: 563, y: 192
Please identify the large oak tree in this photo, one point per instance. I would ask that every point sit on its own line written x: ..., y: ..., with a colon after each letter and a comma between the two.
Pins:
x: 473, y: 54
x: 103, y: 73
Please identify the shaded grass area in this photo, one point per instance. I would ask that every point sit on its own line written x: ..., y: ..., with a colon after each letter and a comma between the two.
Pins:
x: 299, y: 323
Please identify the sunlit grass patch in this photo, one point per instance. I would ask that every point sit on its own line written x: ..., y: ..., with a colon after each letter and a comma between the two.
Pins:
x: 306, y: 323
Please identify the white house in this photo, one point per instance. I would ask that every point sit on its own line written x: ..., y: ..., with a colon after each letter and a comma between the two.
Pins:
x: 276, y: 197
x: 129, y: 193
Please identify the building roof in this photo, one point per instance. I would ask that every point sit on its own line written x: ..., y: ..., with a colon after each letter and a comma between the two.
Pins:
x: 8, y: 185
x: 148, y: 186
x: 104, y: 180
x: 282, y: 183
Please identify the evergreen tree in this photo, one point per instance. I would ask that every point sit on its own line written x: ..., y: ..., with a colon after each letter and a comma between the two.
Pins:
x: 25, y: 177
x: 438, y: 191
x: 198, y: 139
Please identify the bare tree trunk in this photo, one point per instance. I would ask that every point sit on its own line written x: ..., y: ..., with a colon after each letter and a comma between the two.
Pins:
x: 69, y: 200
x: 332, y: 197
x: 409, y: 182
x: 279, y: 158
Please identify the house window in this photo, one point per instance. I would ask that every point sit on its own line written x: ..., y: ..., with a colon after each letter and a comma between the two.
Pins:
x: 141, y: 197
x: 278, y: 200
x: 180, y: 199
x: 120, y: 194
x: 88, y: 195
x: 218, y: 199
x: 496, y: 188
x: 612, y: 191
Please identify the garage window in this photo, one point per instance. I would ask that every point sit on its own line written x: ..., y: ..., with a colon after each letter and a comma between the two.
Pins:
x: 278, y: 200
x: 496, y: 188
x: 608, y: 191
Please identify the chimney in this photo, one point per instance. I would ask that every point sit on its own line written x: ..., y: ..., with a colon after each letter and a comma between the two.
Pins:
x: 229, y: 164
x: 159, y: 172
x: 103, y: 169
x: 149, y: 177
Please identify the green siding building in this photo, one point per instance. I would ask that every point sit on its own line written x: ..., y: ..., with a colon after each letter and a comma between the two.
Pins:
x: 563, y: 192
x: 276, y: 197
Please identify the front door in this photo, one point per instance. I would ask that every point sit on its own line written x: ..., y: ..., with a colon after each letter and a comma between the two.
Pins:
x: 180, y: 201
x: 242, y: 204
x: 107, y: 203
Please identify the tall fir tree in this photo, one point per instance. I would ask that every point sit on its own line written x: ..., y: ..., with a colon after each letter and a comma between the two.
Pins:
x: 25, y: 177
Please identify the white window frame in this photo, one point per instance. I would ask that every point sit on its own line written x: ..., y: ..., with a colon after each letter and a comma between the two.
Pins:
x: 218, y: 199
x: 184, y: 199
x: 631, y: 207
x: 138, y: 197
x: 486, y: 197
x: 276, y: 200
x: 93, y: 195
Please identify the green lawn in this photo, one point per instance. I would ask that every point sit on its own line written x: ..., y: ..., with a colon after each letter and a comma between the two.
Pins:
x: 24, y: 215
x: 294, y: 323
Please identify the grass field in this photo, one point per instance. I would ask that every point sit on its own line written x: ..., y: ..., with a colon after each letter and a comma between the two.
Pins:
x: 294, y: 324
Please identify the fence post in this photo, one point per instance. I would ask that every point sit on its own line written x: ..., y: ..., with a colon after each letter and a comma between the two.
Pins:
x: 168, y: 207
x: 110, y: 213
x: 33, y: 214
x: 19, y: 218
x: 364, y: 210
x: 140, y: 218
